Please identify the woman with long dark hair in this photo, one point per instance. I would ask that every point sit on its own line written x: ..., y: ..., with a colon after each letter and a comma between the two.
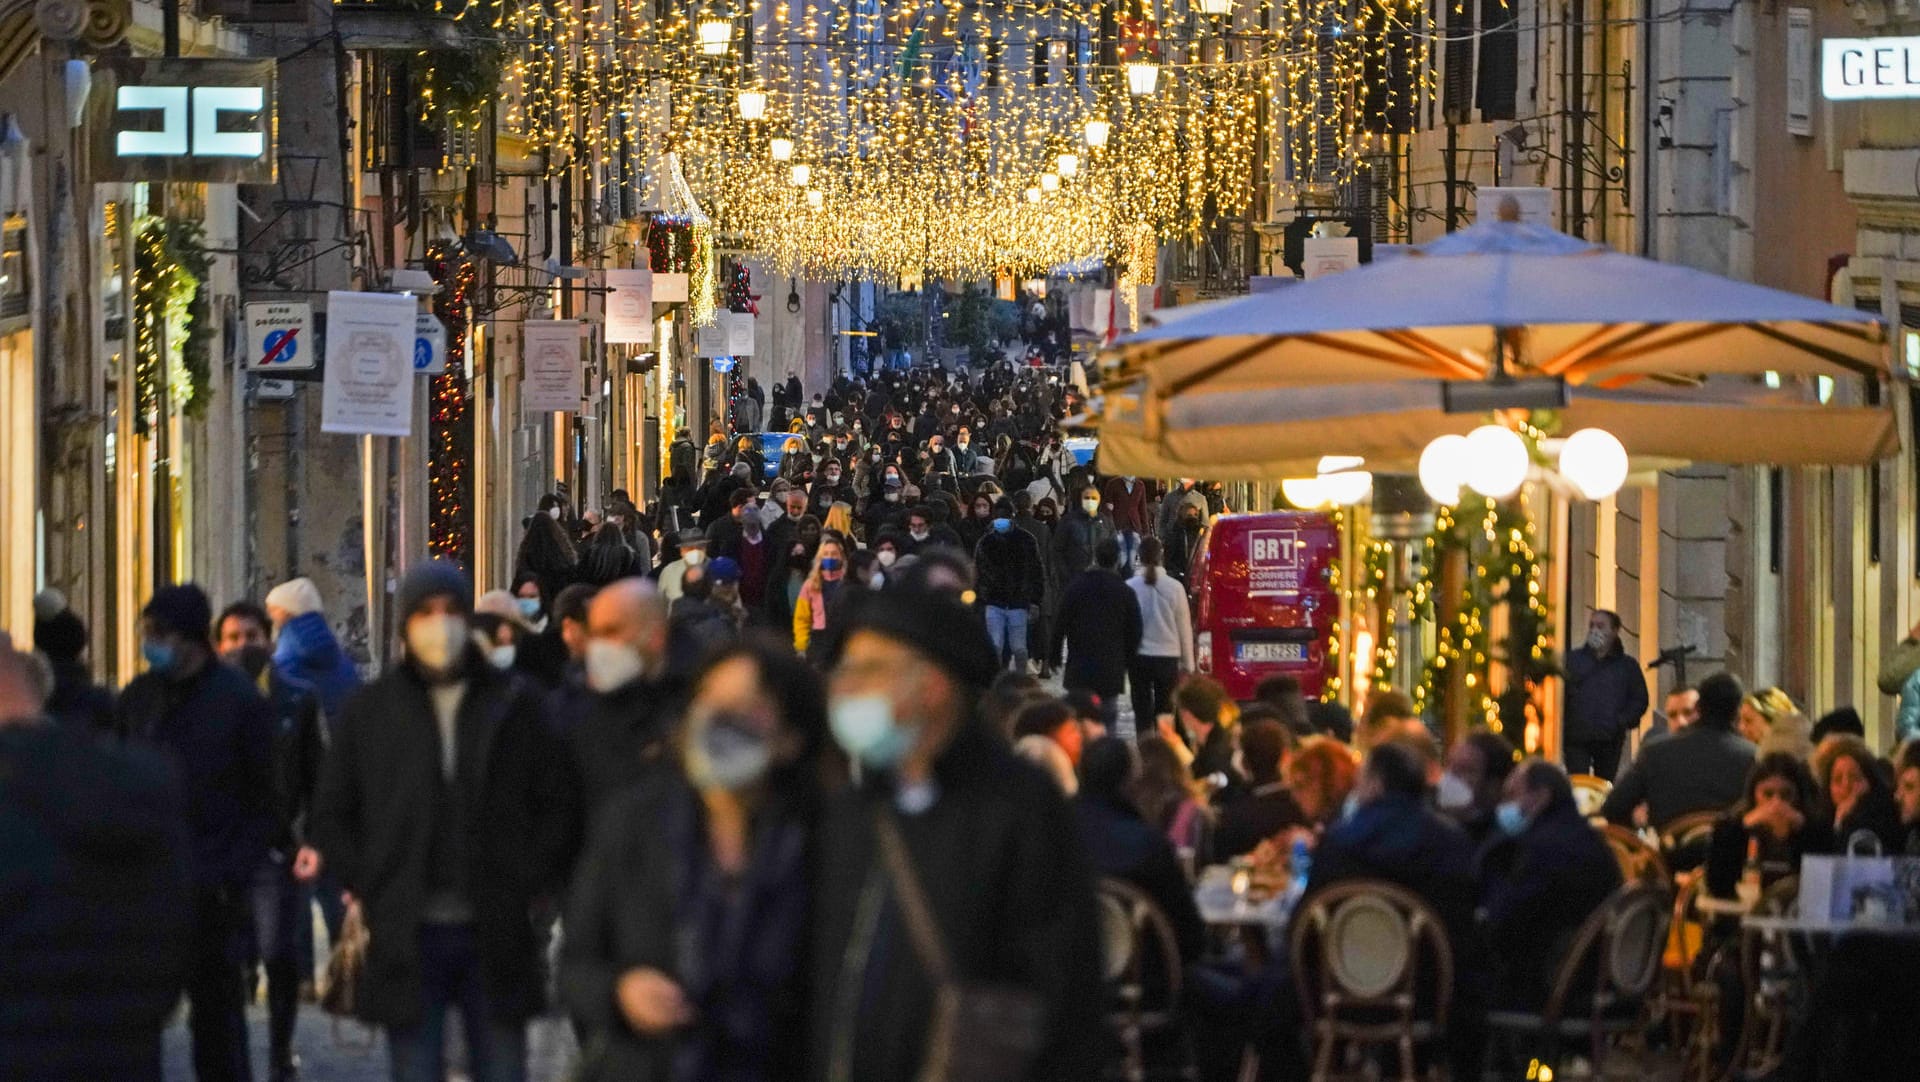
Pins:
x: 547, y: 554
x: 686, y: 921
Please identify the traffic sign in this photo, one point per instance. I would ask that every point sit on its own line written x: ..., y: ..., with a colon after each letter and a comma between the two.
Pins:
x: 280, y: 337
x: 429, y: 345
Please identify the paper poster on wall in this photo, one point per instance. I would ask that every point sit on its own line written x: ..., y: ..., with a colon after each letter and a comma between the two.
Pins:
x: 1322, y: 256
x: 551, y: 381
x: 629, y: 307
x: 367, y: 388
x: 713, y: 340
x: 739, y: 327
x: 669, y: 288
x: 1534, y: 204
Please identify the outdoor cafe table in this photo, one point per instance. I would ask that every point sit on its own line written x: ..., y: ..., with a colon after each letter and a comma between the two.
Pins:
x: 1806, y: 946
x: 1254, y: 924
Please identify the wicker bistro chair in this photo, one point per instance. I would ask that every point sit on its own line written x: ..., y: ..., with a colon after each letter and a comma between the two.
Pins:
x: 1589, y: 792
x: 1619, y: 952
x: 1692, y: 1002
x: 1364, y: 956
x: 1144, y: 979
x: 1685, y: 839
x: 1773, y: 982
x: 1639, y: 862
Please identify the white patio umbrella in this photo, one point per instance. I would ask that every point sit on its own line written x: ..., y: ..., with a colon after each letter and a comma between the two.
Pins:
x: 1379, y: 361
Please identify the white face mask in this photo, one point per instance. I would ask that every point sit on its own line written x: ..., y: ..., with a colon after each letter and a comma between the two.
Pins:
x: 1092, y: 506
x: 553, y: 513
x: 694, y: 557
x: 886, y: 557
x: 436, y: 641
x: 612, y: 665
x: 1453, y: 794
x: 501, y: 657
x: 917, y: 535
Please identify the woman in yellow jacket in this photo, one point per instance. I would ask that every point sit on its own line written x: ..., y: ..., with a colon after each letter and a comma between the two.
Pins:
x: 820, y: 597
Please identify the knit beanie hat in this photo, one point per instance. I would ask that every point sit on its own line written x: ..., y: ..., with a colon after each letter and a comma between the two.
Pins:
x: 62, y: 636
x: 182, y: 609
x: 298, y: 597
x: 434, y: 578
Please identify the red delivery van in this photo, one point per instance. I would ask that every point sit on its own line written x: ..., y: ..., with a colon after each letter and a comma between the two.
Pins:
x: 1264, y: 604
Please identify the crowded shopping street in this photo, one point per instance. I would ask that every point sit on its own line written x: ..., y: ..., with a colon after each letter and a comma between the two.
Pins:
x: 934, y: 541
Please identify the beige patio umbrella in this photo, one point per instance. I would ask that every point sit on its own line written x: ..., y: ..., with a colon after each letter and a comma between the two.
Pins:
x: 1379, y: 361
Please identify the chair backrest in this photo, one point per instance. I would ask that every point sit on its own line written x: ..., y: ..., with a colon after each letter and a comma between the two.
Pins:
x: 1621, y: 944
x: 1133, y: 930
x: 1639, y: 862
x: 1687, y: 831
x: 1369, y: 943
x: 1689, y: 929
x: 1589, y: 792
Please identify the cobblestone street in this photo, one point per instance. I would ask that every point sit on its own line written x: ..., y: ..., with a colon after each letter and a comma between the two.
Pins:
x: 332, y: 1051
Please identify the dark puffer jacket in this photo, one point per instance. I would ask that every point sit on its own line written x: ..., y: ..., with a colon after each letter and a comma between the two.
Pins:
x: 96, y: 906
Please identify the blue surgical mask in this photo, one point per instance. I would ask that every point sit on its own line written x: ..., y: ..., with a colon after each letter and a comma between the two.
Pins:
x: 831, y: 563
x: 863, y: 726
x: 529, y: 607
x: 1002, y: 525
x: 1511, y: 819
x: 1349, y: 807
x: 160, y: 657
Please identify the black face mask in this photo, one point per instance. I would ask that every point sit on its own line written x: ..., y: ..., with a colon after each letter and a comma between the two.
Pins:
x: 252, y: 660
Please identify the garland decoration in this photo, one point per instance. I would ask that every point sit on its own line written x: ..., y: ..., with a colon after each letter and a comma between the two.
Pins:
x: 172, y: 331
x: 449, y: 436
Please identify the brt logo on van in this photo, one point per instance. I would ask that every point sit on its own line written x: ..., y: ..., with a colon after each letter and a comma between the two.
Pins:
x: 1273, y: 562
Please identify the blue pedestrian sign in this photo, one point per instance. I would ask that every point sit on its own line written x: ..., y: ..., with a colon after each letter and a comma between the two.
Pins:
x: 429, y: 345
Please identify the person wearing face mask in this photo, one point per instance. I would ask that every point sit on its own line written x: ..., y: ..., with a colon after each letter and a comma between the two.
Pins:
x: 542, y: 652
x: 621, y: 737
x: 279, y: 901
x: 305, y: 648
x: 1126, y: 501
x: 692, y: 544
x: 1079, y: 534
x: 976, y: 523
x: 1476, y: 775
x: 828, y: 488
x: 1606, y: 697
x: 686, y: 925
x: 212, y: 721
x: 943, y: 812
x: 445, y: 811
x: 966, y: 455
x: 887, y: 509
x: 1010, y: 583
x: 1541, y: 876
x: 819, y: 607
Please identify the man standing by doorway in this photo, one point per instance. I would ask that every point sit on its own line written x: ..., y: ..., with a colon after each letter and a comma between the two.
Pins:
x: 1606, y: 697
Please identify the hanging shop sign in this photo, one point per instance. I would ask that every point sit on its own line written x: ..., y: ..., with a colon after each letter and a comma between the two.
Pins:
x: 1294, y: 238
x: 552, y: 380
x: 161, y: 119
x: 629, y: 306
x: 367, y: 388
x: 1535, y: 205
x: 280, y: 338
x: 1856, y: 68
x: 739, y: 327
x: 669, y: 288
x: 715, y: 339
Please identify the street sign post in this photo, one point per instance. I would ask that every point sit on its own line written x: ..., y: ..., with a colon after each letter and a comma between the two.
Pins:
x: 280, y: 338
x: 429, y: 345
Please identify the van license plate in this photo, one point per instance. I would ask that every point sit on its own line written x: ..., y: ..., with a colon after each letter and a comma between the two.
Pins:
x: 1269, y: 651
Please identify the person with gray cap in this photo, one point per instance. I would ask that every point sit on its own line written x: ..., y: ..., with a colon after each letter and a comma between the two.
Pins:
x: 444, y: 809
x: 212, y: 721
x: 946, y: 830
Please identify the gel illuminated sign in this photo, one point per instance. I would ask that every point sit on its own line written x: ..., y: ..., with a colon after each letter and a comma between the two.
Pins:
x: 1855, y: 68
x: 185, y: 120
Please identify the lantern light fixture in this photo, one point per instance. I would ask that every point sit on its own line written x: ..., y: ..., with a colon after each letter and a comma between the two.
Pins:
x: 716, y: 35
x: 1097, y: 131
x: 1049, y: 182
x: 800, y: 175
x: 1216, y: 8
x: 1067, y: 164
x: 780, y: 148
x: 1033, y: 194
x: 816, y: 198
x: 753, y: 103
x: 1143, y: 77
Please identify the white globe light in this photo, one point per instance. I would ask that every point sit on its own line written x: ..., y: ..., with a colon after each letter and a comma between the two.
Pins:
x: 780, y: 148
x: 1593, y: 460
x: 1343, y: 482
x: 1443, y: 469
x: 1496, y: 461
x: 1305, y: 493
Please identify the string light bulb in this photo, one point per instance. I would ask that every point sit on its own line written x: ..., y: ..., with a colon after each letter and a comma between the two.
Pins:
x: 1097, y: 131
x: 753, y: 103
x: 716, y: 35
x: 780, y: 148
x: 1143, y: 77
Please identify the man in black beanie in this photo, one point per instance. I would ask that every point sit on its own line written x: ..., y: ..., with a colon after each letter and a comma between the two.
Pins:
x: 988, y: 837
x: 442, y: 810
x: 61, y: 637
x: 218, y: 730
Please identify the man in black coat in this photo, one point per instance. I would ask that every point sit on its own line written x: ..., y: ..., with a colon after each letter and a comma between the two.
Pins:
x: 1010, y: 583
x: 1122, y: 845
x: 61, y: 637
x: 1078, y: 537
x: 217, y: 728
x: 281, y: 922
x: 444, y: 811
x: 1264, y: 807
x: 96, y: 895
x: 988, y: 838
x: 1606, y: 697
x: 1702, y: 767
x: 1100, y: 627
x: 1541, y: 876
x: 624, y: 733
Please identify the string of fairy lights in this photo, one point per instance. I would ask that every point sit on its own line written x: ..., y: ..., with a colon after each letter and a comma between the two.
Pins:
x: 895, y: 137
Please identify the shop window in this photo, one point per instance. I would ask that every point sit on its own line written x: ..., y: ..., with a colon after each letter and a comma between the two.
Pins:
x: 15, y: 286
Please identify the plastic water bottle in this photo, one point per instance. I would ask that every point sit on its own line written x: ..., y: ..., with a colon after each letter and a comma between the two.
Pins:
x: 1300, y: 863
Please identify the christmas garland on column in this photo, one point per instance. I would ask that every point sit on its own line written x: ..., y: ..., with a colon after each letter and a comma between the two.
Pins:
x: 449, y: 435
x: 172, y: 331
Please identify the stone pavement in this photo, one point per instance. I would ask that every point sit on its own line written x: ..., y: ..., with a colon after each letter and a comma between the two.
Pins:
x: 333, y: 1051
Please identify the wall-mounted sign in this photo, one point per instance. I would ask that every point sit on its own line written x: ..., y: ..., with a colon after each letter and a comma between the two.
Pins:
x: 629, y: 307
x: 1535, y: 205
x: 367, y: 388
x: 1855, y: 68
x: 201, y: 120
x: 1799, y: 71
x: 429, y: 345
x: 552, y: 380
x: 280, y: 337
